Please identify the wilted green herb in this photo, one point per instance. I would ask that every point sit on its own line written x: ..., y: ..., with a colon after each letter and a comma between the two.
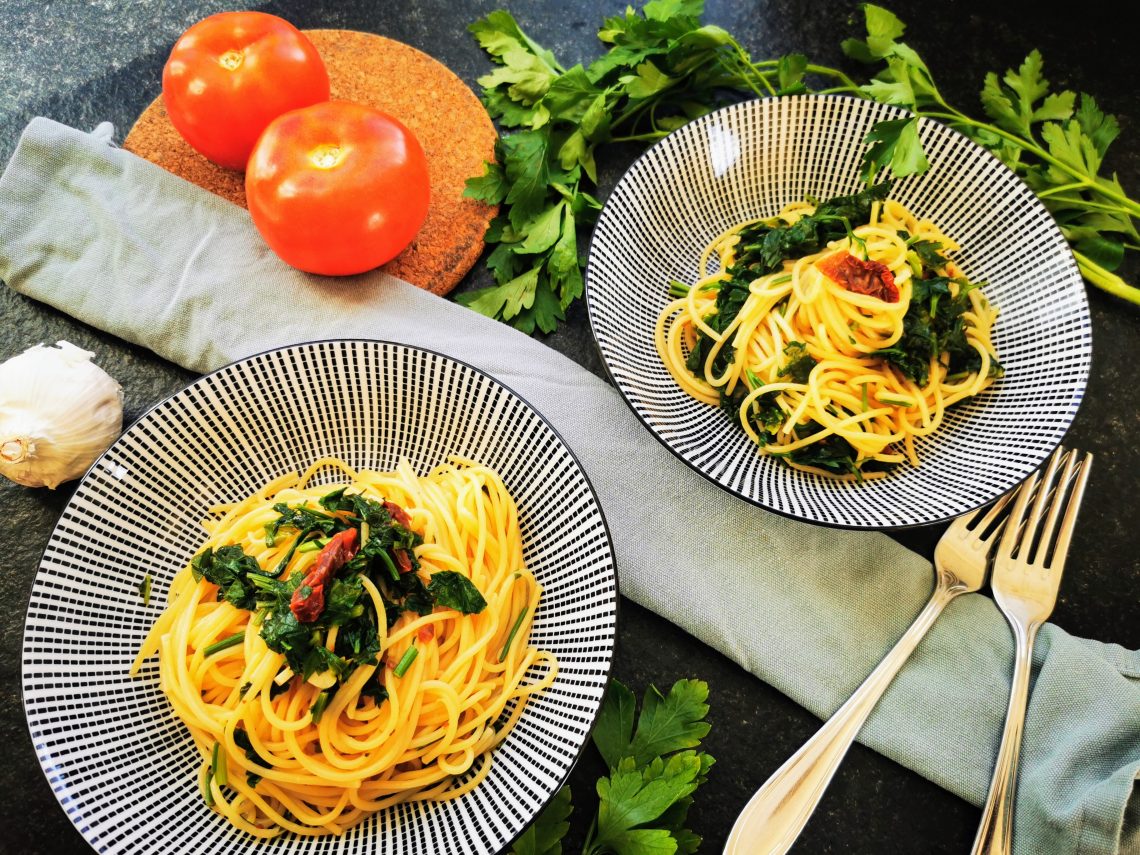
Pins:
x: 144, y: 589
x: 245, y: 585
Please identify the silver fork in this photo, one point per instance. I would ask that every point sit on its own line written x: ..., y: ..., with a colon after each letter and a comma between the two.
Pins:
x: 775, y: 816
x: 1026, y: 576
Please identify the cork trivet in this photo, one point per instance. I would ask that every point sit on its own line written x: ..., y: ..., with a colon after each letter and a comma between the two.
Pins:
x: 438, y: 107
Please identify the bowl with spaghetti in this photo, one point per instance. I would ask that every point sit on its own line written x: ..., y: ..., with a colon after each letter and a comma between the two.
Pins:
x: 849, y: 350
x: 347, y: 596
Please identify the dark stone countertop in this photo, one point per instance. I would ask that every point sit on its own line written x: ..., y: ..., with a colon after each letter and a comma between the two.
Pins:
x: 81, y: 63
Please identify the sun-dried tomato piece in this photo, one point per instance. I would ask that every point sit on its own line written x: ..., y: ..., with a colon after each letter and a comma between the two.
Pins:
x: 403, y: 561
x: 860, y: 277
x: 335, y: 554
x: 400, y: 517
x: 398, y: 514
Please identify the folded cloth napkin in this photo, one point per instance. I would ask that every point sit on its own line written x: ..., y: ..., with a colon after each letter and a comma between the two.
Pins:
x: 124, y: 246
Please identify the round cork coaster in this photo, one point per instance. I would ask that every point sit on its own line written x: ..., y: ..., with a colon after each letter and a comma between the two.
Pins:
x: 444, y: 114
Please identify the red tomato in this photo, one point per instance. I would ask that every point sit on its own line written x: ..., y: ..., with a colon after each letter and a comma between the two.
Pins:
x: 232, y: 74
x: 337, y: 188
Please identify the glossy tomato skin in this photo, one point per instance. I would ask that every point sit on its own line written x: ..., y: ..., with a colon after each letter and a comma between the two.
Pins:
x: 233, y: 73
x: 337, y: 188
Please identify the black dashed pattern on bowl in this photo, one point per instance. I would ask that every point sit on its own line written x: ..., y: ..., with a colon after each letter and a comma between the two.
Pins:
x: 123, y: 768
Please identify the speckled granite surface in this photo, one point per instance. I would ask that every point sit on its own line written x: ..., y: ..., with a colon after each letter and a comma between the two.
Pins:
x: 84, y: 62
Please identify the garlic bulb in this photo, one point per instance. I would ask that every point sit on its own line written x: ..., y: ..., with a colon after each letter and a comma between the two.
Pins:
x: 58, y: 412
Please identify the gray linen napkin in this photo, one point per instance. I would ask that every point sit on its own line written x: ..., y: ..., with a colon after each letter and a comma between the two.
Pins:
x: 120, y: 244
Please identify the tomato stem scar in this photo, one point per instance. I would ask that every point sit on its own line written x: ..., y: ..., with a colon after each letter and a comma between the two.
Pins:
x: 231, y: 59
x: 326, y: 156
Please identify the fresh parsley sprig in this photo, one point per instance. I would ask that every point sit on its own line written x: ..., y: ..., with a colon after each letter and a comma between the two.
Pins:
x: 1054, y: 141
x: 663, y: 67
x: 655, y: 766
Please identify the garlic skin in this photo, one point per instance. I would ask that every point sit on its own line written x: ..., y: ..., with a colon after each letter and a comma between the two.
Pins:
x: 58, y: 412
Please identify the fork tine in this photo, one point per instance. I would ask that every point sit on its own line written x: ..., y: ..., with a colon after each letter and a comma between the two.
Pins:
x: 1025, y: 551
x: 977, y: 522
x: 1011, y: 536
x: 1072, y: 507
x: 1057, y: 491
x: 991, y: 516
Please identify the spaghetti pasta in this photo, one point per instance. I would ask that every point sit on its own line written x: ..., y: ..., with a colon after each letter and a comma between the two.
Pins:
x: 335, y: 650
x: 836, y: 343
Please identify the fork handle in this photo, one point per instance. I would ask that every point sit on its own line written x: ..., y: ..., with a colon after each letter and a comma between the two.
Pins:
x: 995, y: 834
x: 775, y: 816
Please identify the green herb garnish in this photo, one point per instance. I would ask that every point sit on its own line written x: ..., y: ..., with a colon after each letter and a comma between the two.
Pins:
x: 319, y: 705
x: 663, y: 67
x: 455, y: 591
x: 242, y: 741
x: 224, y: 644
x: 231, y: 570
x: 218, y: 770
x: 512, y: 633
x: 385, y: 541
x: 406, y: 661
x: 144, y: 589
x: 654, y: 768
x: 800, y: 363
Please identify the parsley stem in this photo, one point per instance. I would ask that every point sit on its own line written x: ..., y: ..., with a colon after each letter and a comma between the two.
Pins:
x: 392, y: 571
x: 811, y: 68
x: 218, y: 770
x: 289, y: 555
x: 653, y: 117
x: 514, y: 630
x: 224, y: 644
x: 1063, y: 188
x: 849, y: 85
x: 406, y: 661
x: 648, y: 136
x: 1030, y: 146
x: 1091, y: 205
x: 588, y: 846
x: 744, y: 64
x: 630, y: 114
x: 262, y: 581
x: 1106, y: 280
x: 144, y: 590
x: 314, y: 545
x: 204, y: 788
x: 319, y: 705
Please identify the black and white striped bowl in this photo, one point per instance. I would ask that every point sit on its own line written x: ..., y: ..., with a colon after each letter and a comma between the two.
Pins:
x: 749, y: 160
x: 123, y: 768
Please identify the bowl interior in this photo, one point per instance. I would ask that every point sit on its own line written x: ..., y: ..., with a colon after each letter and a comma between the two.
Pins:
x: 749, y: 160
x: 122, y: 766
